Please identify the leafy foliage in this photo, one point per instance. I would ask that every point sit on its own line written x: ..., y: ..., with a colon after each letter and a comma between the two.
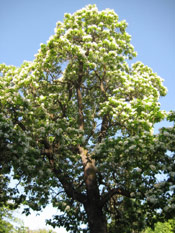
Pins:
x: 128, y: 217
x: 76, y: 126
x: 8, y: 222
x: 5, y: 225
x: 11, y: 224
x: 166, y: 227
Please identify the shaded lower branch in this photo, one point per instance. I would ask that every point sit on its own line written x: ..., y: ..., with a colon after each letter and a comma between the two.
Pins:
x: 68, y: 186
x: 71, y: 191
x: 64, y: 178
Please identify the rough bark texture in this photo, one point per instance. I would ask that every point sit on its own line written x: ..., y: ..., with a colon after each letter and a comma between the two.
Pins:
x: 96, y: 218
x: 93, y: 206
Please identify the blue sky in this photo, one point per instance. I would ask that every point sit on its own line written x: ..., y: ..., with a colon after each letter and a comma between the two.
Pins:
x: 25, y: 24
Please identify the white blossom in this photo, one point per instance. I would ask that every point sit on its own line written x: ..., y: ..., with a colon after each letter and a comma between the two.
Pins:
x: 132, y: 194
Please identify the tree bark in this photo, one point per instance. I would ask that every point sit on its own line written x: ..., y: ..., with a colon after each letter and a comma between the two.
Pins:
x: 96, y: 219
x: 93, y: 206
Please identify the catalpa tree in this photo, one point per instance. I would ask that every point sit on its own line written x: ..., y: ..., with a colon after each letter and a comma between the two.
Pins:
x: 76, y: 128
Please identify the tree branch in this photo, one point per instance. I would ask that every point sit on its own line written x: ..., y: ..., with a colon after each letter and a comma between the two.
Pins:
x: 70, y: 190
x: 79, y: 97
x: 104, y: 127
x: 106, y: 118
x: 67, y: 184
x: 113, y: 192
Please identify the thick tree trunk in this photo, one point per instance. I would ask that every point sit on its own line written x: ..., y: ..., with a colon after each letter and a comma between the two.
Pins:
x: 96, y: 219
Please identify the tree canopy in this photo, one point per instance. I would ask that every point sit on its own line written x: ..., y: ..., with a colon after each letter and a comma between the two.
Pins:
x: 77, y: 128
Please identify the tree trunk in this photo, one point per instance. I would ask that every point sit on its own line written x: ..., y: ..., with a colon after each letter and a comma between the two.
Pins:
x: 96, y: 219
x: 93, y: 206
